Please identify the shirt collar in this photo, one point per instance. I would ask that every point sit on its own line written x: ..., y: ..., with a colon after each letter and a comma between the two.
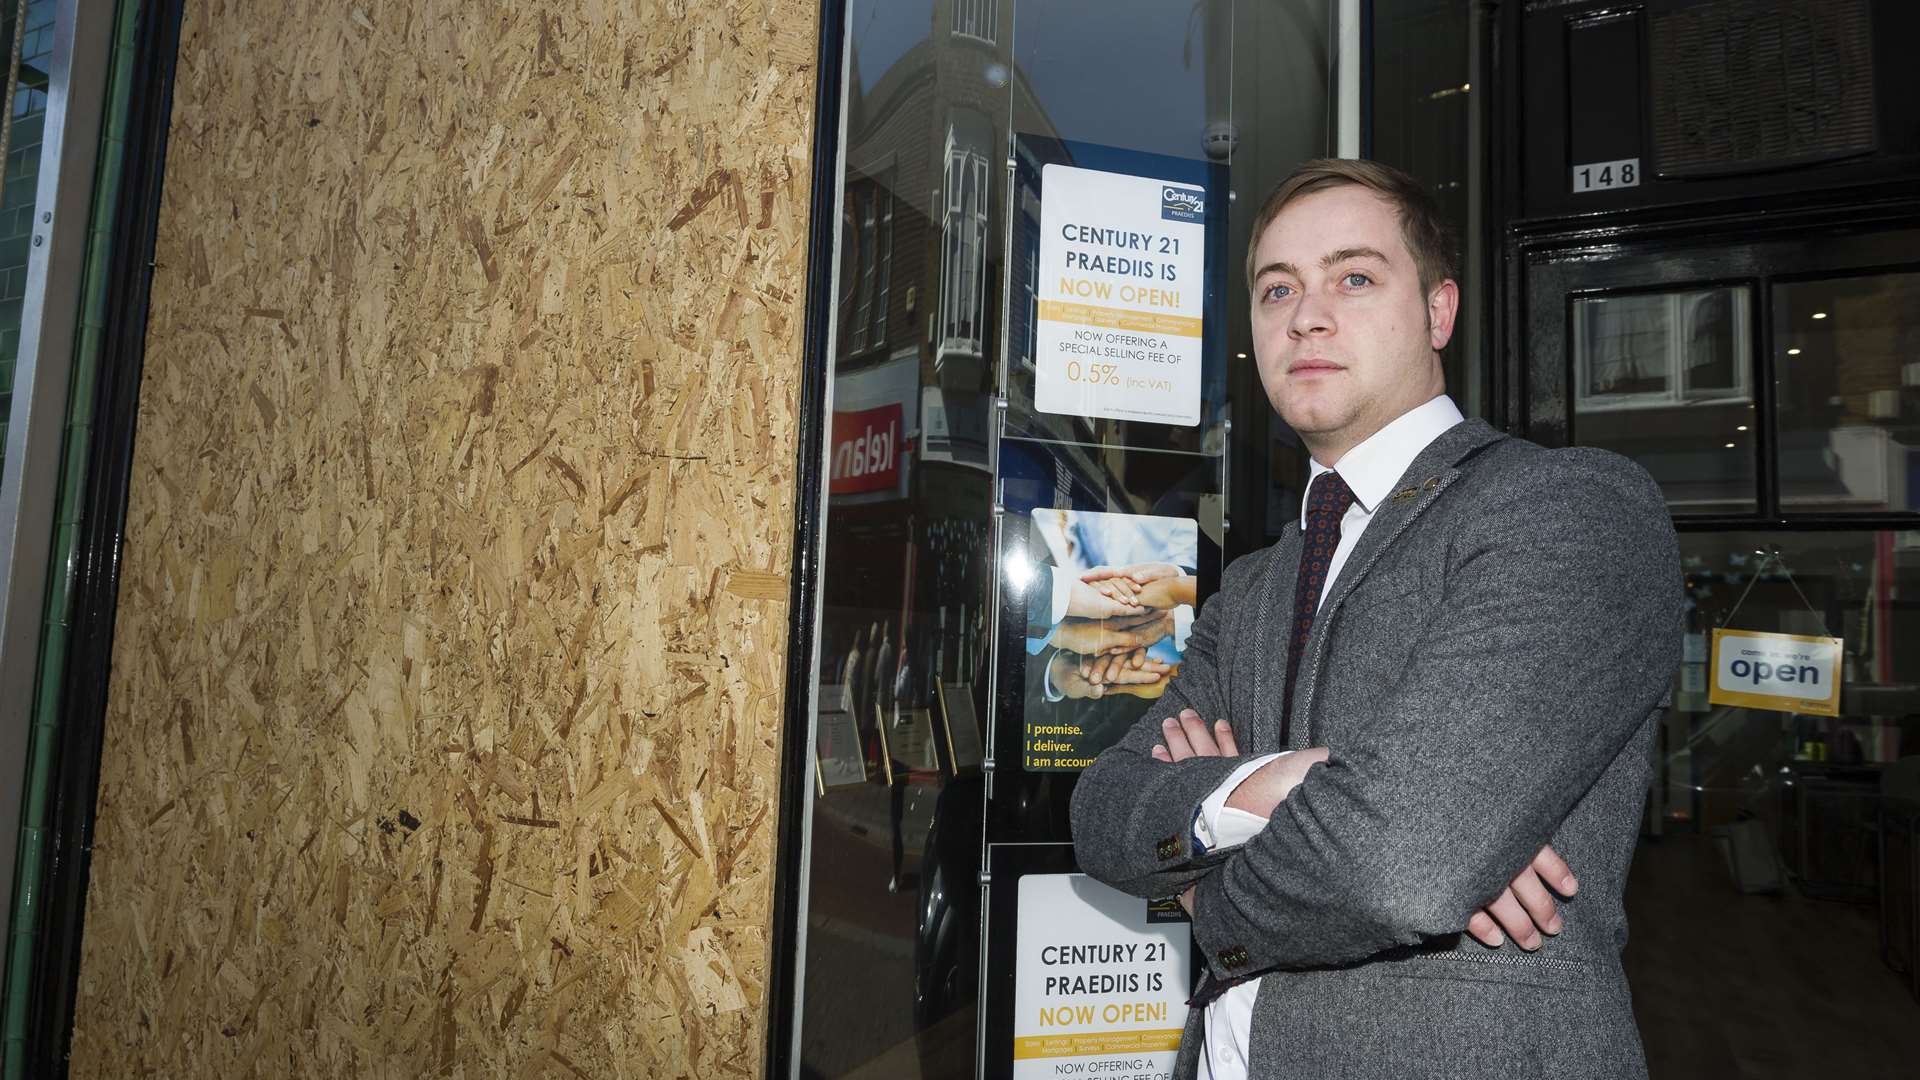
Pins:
x: 1372, y: 468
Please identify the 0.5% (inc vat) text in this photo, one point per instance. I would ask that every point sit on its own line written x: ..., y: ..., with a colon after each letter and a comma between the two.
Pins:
x: 1099, y: 374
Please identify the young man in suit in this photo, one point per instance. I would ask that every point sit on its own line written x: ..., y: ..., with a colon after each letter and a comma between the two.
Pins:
x: 1449, y: 672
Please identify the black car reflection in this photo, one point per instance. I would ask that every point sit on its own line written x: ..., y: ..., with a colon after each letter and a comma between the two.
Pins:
x: 946, y: 943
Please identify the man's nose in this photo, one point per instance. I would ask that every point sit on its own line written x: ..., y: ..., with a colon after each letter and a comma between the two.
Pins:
x: 1311, y: 315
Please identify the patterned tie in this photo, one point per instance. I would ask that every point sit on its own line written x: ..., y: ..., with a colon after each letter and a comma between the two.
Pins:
x: 1327, y: 502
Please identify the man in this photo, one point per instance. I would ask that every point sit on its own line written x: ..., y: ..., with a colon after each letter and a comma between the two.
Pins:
x: 1466, y: 643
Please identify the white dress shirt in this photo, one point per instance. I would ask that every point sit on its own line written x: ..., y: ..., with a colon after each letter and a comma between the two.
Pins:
x: 1371, y: 470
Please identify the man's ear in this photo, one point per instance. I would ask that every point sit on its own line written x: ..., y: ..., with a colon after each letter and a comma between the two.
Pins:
x: 1443, y: 306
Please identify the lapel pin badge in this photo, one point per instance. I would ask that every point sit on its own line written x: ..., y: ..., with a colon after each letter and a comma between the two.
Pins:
x: 1404, y: 494
x: 1432, y: 482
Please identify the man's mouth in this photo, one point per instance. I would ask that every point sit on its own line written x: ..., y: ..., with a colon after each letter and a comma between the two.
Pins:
x: 1313, y: 367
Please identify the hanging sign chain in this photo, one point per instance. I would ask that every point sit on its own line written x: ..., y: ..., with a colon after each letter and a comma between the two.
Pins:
x: 1773, y: 559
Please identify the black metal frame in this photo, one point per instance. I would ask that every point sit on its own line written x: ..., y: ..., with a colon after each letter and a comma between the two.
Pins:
x: 1366, y: 78
x: 783, y: 967
x: 1501, y: 164
x: 96, y: 583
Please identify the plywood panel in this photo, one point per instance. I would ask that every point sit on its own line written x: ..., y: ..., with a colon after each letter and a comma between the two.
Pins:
x: 446, y: 687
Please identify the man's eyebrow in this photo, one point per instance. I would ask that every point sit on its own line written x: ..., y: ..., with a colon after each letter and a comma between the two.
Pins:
x: 1282, y: 267
x: 1351, y: 253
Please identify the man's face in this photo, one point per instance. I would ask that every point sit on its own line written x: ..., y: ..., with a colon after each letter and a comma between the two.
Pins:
x: 1345, y: 338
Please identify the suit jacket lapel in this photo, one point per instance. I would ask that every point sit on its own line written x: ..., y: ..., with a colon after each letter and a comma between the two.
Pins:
x: 1419, y: 487
x: 1273, y: 630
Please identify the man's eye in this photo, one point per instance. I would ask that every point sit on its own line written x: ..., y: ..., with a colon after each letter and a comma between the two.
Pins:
x: 1357, y: 279
x: 1278, y: 292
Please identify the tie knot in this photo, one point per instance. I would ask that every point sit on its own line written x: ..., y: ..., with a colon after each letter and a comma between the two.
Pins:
x: 1330, y: 495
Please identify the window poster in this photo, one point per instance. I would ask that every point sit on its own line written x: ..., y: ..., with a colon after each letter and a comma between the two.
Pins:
x: 1104, y: 561
x: 1100, y: 984
x: 1110, y: 600
x: 1121, y: 291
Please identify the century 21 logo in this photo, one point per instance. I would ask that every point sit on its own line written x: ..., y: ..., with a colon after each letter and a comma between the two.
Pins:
x: 1181, y: 204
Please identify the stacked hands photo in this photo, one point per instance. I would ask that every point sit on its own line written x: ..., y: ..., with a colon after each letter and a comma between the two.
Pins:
x: 1109, y: 614
x: 1115, y: 616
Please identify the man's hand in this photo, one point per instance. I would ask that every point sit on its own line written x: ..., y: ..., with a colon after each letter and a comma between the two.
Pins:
x: 1084, y: 601
x: 1525, y: 909
x: 1168, y: 593
x: 1120, y: 586
x: 1153, y: 585
x: 1113, y: 667
x: 1139, y: 572
x: 1063, y: 668
x: 1093, y: 638
x: 1187, y: 735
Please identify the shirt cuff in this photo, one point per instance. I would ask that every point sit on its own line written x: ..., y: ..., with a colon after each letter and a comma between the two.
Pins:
x: 1217, y: 825
x: 1047, y: 689
x: 1063, y: 580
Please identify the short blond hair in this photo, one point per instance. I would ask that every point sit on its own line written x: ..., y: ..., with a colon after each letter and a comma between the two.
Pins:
x: 1426, y: 233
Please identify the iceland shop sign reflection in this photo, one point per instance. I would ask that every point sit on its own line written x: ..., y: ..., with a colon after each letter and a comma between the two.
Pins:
x: 866, y: 451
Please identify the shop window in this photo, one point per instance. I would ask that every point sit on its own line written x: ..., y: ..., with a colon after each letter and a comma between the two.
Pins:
x: 1662, y: 350
x: 1848, y: 392
x: 1666, y: 379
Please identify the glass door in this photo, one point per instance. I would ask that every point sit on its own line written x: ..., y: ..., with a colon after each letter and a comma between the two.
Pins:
x: 1771, y: 384
x: 1040, y: 332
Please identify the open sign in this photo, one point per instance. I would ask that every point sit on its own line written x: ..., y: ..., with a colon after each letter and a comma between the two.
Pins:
x: 1788, y: 672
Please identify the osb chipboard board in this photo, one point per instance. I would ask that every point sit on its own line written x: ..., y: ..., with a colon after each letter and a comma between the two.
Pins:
x: 446, y: 686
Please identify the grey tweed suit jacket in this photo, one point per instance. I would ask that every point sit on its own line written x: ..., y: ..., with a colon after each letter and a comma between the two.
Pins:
x: 1486, y: 671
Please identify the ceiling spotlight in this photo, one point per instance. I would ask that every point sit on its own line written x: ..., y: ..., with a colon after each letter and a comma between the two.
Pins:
x: 1742, y: 427
x: 1729, y: 446
x: 1241, y: 355
x: 1819, y: 314
x: 1793, y: 352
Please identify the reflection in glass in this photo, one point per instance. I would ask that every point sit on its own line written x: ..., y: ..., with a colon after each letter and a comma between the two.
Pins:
x: 1849, y: 392
x: 869, y: 254
x: 963, y: 231
x: 937, y: 103
x: 1771, y: 824
x: 891, y: 905
x: 21, y: 191
x: 1666, y: 379
x: 1423, y: 121
x: 1139, y: 88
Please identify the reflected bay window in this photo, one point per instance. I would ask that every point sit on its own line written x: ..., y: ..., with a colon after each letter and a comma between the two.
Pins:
x: 963, y: 261
x: 977, y: 19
